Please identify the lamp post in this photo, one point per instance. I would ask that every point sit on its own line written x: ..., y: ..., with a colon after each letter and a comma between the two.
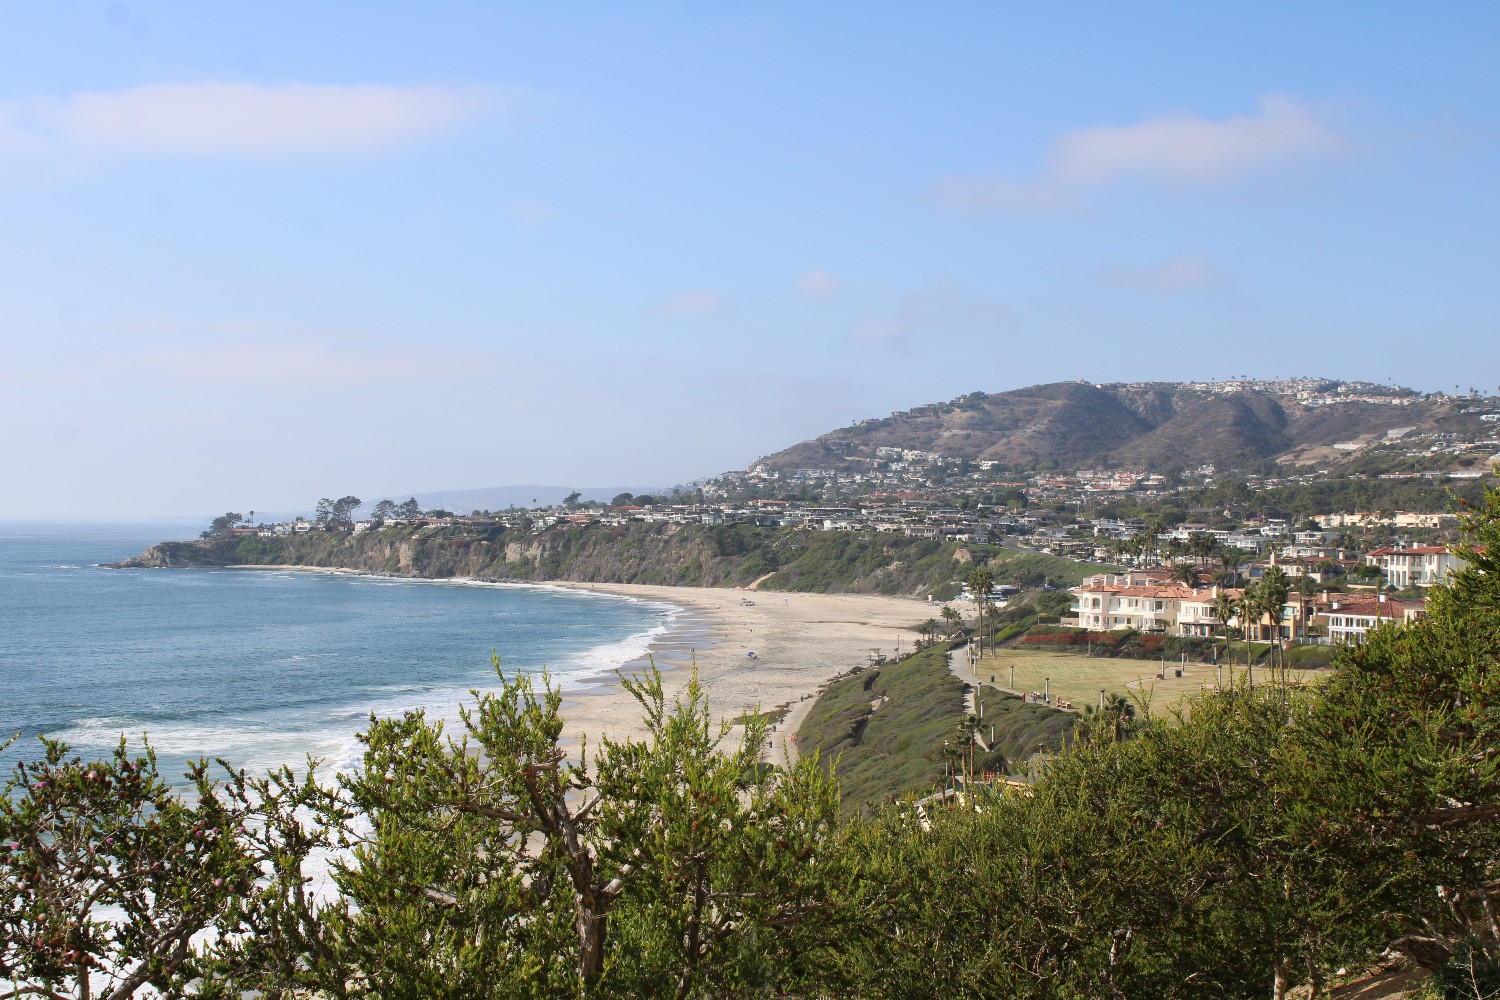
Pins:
x: 1047, y: 695
x: 1101, y: 699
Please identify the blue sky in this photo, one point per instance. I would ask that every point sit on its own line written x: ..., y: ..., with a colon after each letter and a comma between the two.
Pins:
x: 262, y: 254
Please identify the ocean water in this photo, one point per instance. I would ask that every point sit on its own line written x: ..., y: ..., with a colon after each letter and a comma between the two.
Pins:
x: 263, y: 667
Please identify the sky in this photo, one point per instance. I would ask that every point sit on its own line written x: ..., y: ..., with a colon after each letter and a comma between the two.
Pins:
x: 256, y: 254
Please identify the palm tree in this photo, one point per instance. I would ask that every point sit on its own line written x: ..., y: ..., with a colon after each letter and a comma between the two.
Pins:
x: 1118, y: 712
x: 1229, y: 560
x: 1248, y: 609
x: 952, y: 617
x: 1305, y: 591
x: 1185, y: 573
x: 1273, y: 594
x: 1153, y: 533
x: 930, y: 629
x: 980, y: 582
x: 1225, y: 608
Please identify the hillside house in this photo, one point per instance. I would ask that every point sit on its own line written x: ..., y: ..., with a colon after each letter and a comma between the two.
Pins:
x: 1347, y: 618
x: 1418, y: 566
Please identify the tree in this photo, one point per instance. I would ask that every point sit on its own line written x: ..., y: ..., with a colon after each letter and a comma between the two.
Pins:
x: 220, y: 526
x: 571, y: 500
x: 621, y: 500
x: 930, y: 629
x: 1185, y: 573
x: 385, y: 510
x: 324, y: 513
x: 1118, y: 713
x: 1248, y: 609
x: 664, y: 867
x: 981, y: 580
x: 112, y: 880
x: 1225, y: 607
x: 410, y: 509
x: 1273, y: 592
x: 1423, y: 786
x: 952, y: 617
x: 1229, y: 561
x: 344, y: 509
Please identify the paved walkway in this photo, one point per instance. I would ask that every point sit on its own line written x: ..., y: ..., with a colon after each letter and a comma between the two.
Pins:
x: 783, y: 749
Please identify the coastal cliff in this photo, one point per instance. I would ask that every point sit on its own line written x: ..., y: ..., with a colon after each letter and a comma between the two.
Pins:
x: 666, y: 554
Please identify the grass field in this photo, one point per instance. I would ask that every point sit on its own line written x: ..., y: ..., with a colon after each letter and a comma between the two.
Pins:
x: 1079, y: 678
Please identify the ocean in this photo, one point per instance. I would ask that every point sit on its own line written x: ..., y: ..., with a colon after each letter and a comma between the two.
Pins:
x: 264, y: 667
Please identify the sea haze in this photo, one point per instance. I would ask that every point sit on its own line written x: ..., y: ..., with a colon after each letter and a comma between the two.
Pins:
x: 264, y: 667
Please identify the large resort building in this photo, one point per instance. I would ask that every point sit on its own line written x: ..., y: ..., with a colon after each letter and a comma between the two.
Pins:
x: 1145, y: 601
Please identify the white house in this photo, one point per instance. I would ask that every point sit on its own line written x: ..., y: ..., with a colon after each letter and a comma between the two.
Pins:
x: 1419, y: 566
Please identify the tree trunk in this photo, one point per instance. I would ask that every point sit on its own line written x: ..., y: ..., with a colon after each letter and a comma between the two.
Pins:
x: 1279, y: 984
x: 591, y: 935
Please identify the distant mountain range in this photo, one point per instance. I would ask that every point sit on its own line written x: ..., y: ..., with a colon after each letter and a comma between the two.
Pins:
x: 1074, y: 425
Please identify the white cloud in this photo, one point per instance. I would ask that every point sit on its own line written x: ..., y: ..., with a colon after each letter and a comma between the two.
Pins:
x: 243, y: 119
x: 1178, y: 149
x: 817, y: 284
x: 1195, y: 270
x: 691, y: 304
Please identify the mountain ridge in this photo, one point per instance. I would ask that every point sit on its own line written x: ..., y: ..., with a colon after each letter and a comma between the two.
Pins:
x: 1071, y: 425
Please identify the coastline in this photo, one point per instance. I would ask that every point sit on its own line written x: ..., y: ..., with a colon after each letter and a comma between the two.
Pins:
x: 800, y: 641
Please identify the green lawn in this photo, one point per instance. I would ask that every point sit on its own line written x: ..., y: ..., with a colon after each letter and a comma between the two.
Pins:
x: 1077, y: 679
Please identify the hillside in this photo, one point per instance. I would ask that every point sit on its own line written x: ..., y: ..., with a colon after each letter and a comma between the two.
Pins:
x: 1071, y: 425
x: 671, y: 554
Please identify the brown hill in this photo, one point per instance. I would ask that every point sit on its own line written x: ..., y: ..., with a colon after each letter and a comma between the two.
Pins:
x: 1069, y: 425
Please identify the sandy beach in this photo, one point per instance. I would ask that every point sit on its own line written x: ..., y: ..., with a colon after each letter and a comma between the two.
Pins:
x: 799, y: 642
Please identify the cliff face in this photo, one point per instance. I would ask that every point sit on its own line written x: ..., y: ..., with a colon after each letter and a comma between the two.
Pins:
x: 676, y: 555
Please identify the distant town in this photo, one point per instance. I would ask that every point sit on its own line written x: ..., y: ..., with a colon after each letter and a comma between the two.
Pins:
x: 1174, y: 547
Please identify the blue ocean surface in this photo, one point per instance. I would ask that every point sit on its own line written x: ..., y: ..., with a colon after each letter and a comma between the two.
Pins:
x: 264, y: 667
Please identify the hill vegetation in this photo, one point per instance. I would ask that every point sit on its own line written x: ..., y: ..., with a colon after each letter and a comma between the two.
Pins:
x: 894, y: 730
x: 1072, y: 425
x: 788, y: 559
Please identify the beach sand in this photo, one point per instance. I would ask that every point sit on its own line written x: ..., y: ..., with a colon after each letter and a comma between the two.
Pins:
x: 799, y: 641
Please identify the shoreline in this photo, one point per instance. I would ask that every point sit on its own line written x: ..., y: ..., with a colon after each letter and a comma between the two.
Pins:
x: 800, y: 642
